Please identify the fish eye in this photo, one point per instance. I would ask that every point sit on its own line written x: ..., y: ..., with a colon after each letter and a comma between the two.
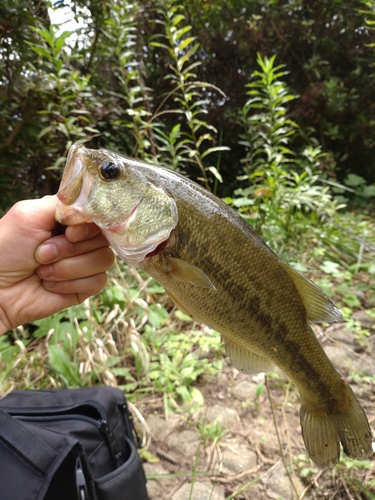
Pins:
x: 109, y: 170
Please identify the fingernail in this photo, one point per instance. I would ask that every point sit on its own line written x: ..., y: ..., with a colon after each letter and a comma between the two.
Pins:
x: 44, y: 271
x: 49, y: 284
x: 47, y: 252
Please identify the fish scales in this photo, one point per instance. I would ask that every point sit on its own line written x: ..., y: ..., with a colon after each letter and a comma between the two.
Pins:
x: 242, y: 298
x: 219, y: 271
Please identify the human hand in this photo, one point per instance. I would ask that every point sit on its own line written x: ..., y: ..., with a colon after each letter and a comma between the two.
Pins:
x: 41, y: 274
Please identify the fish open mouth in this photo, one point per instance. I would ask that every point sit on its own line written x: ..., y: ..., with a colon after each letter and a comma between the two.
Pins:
x: 134, y: 229
x: 74, y: 189
x: 72, y: 179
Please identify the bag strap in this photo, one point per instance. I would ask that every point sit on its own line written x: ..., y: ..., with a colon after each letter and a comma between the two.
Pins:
x: 32, y: 450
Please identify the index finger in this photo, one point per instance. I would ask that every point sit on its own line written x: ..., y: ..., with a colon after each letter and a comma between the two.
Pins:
x: 81, y: 232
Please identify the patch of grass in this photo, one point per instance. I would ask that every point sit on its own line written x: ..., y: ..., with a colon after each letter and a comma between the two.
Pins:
x: 212, y: 432
x: 128, y: 336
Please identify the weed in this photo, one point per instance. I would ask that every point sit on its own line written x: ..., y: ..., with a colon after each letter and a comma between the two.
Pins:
x: 306, y: 468
x: 353, y: 474
x: 181, y: 48
x: 212, y: 432
x: 284, y: 194
x: 174, y: 366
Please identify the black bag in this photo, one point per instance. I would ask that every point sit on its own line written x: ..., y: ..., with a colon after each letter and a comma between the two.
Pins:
x: 69, y: 444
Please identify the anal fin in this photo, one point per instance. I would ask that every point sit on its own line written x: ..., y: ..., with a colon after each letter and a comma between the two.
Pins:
x: 247, y: 361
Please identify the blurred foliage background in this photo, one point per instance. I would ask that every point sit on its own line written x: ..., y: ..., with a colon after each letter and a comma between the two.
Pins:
x: 168, y: 81
x: 268, y: 103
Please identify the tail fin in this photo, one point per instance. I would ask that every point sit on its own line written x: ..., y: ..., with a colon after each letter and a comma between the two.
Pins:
x: 323, y: 431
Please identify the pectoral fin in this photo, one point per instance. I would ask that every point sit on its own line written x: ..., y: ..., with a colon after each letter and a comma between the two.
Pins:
x: 185, y: 272
x: 247, y: 361
x: 319, y: 307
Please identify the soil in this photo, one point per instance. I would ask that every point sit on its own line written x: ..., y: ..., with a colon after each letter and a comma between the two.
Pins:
x: 259, y: 445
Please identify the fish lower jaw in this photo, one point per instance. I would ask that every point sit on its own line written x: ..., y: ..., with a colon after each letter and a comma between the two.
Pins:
x: 133, y: 255
x: 70, y: 216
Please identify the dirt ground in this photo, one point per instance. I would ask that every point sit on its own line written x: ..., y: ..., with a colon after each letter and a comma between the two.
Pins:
x: 259, y: 445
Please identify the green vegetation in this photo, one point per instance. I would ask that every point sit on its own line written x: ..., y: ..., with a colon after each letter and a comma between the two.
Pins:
x: 278, y: 122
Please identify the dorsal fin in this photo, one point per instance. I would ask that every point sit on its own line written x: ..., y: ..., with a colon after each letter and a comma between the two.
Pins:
x: 319, y: 307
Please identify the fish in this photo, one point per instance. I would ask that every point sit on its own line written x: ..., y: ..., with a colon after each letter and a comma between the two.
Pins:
x: 220, y: 272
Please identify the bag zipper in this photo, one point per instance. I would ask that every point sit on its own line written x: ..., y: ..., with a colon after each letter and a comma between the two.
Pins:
x: 81, y: 485
x: 128, y: 423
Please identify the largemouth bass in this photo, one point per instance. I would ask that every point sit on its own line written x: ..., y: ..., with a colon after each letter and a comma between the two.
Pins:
x: 216, y: 268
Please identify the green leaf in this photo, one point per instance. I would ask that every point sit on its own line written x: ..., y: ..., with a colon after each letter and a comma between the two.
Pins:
x: 351, y: 300
x: 62, y: 364
x: 8, y: 352
x: 93, y: 130
x: 330, y: 267
x: 363, y: 488
x: 183, y: 391
x: 46, y: 130
x: 177, y: 19
x: 213, y: 150
x: 179, y: 33
x: 354, y: 180
x: 189, y: 68
x: 185, y: 43
x: 157, y: 315
x: 48, y: 36
x: 197, y: 395
x: 216, y: 173
x: 182, y: 60
x: 149, y: 457
x: 182, y: 316
x: 161, y: 45
x: 41, y: 51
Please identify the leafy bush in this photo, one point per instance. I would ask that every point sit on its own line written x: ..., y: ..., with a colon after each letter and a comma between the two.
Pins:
x: 285, y: 195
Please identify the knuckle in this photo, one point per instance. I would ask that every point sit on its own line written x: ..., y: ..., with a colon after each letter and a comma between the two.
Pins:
x: 20, y: 210
x: 66, y: 248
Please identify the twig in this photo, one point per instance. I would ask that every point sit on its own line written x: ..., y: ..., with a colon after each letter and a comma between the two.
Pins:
x: 246, y: 486
x: 347, y: 491
x: 287, y: 432
x: 266, y: 461
x: 229, y: 479
x: 8, y: 141
x: 147, y: 431
x: 92, y: 51
x: 278, y: 438
x: 176, y: 488
x: 311, y: 483
x: 213, y: 455
x: 334, y: 494
x: 180, y: 86
x: 166, y: 456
